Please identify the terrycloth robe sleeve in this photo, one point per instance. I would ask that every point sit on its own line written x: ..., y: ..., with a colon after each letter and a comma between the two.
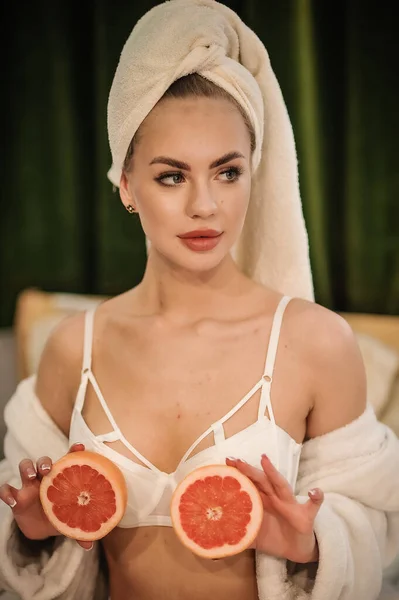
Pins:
x: 57, y: 568
x: 357, y: 527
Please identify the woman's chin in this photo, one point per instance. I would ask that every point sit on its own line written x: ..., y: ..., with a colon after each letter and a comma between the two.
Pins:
x: 200, y: 265
x: 199, y: 262
x: 190, y: 260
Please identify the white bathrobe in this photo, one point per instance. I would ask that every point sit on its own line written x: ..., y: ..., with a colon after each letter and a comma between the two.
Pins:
x: 357, y: 467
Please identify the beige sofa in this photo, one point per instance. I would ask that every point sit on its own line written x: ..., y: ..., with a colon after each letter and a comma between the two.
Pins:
x: 38, y: 312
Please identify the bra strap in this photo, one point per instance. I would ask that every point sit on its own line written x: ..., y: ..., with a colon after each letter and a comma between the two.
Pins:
x: 87, y: 352
x: 274, y: 337
x: 265, y: 399
x: 88, y: 340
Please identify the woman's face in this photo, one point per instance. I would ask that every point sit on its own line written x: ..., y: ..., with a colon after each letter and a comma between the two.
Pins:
x: 190, y: 172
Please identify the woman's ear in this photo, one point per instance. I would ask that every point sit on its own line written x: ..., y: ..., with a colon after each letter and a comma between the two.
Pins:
x: 125, y: 192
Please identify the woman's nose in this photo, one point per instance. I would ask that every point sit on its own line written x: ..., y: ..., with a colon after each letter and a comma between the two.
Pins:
x: 202, y: 203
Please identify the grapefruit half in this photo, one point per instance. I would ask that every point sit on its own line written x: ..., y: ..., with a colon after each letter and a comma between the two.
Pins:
x: 216, y: 511
x: 84, y: 496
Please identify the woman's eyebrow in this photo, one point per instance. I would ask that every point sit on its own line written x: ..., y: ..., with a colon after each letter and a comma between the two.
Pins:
x: 178, y: 164
x: 225, y: 159
x: 172, y: 162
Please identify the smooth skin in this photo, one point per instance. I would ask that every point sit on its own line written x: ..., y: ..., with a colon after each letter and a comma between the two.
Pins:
x: 175, y: 353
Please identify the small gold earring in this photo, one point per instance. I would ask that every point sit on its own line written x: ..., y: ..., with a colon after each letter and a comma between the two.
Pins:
x: 130, y: 209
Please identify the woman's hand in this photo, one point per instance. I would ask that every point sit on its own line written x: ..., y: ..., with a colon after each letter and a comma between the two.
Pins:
x: 25, y: 502
x: 287, y: 527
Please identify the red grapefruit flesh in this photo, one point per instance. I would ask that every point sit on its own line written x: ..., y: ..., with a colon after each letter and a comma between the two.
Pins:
x: 216, y: 511
x: 84, y: 496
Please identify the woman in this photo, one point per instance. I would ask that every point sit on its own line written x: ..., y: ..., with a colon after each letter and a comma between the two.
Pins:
x: 161, y: 366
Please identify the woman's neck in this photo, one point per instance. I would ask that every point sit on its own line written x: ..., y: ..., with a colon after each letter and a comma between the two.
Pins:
x: 185, y: 296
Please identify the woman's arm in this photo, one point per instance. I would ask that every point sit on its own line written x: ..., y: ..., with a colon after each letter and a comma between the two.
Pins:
x: 353, y: 460
x: 339, y: 380
x: 55, y: 568
x: 59, y: 371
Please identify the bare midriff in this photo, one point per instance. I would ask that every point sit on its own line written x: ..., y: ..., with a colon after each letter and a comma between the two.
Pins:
x: 150, y: 562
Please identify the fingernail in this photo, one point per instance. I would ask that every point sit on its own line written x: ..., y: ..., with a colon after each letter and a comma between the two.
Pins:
x: 11, y: 501
x: 314, y: 493
x: 88, y: 549
x: 231, y: 457
x: 243, y: 461
x: 265, y: 457
x: 45, y: 467
x: 31, y: 473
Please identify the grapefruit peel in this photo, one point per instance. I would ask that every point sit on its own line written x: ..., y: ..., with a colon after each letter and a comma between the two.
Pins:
x: 216, y: 511
x: 84, y: 496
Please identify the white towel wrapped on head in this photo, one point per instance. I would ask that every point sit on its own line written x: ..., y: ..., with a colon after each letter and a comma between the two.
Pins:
x: 180, y: 37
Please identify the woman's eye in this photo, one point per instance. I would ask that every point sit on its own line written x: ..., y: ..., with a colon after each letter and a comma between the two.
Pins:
x: 231, y: 174
x: 170, y: 179
x: 173, y: 179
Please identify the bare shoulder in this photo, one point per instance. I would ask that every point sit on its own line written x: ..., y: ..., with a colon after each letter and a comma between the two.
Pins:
x: 338, y: 380
x: 323, y: 326
x: 59, y: 370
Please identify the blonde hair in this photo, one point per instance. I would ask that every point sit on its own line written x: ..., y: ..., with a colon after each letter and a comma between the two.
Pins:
x: 194, y: 85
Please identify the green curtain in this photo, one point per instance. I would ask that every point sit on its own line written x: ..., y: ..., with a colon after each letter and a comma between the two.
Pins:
x: 63, y: 229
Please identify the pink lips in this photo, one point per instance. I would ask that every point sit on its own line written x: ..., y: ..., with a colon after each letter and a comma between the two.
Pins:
x: 201, y: 240
x: 210, y: 233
